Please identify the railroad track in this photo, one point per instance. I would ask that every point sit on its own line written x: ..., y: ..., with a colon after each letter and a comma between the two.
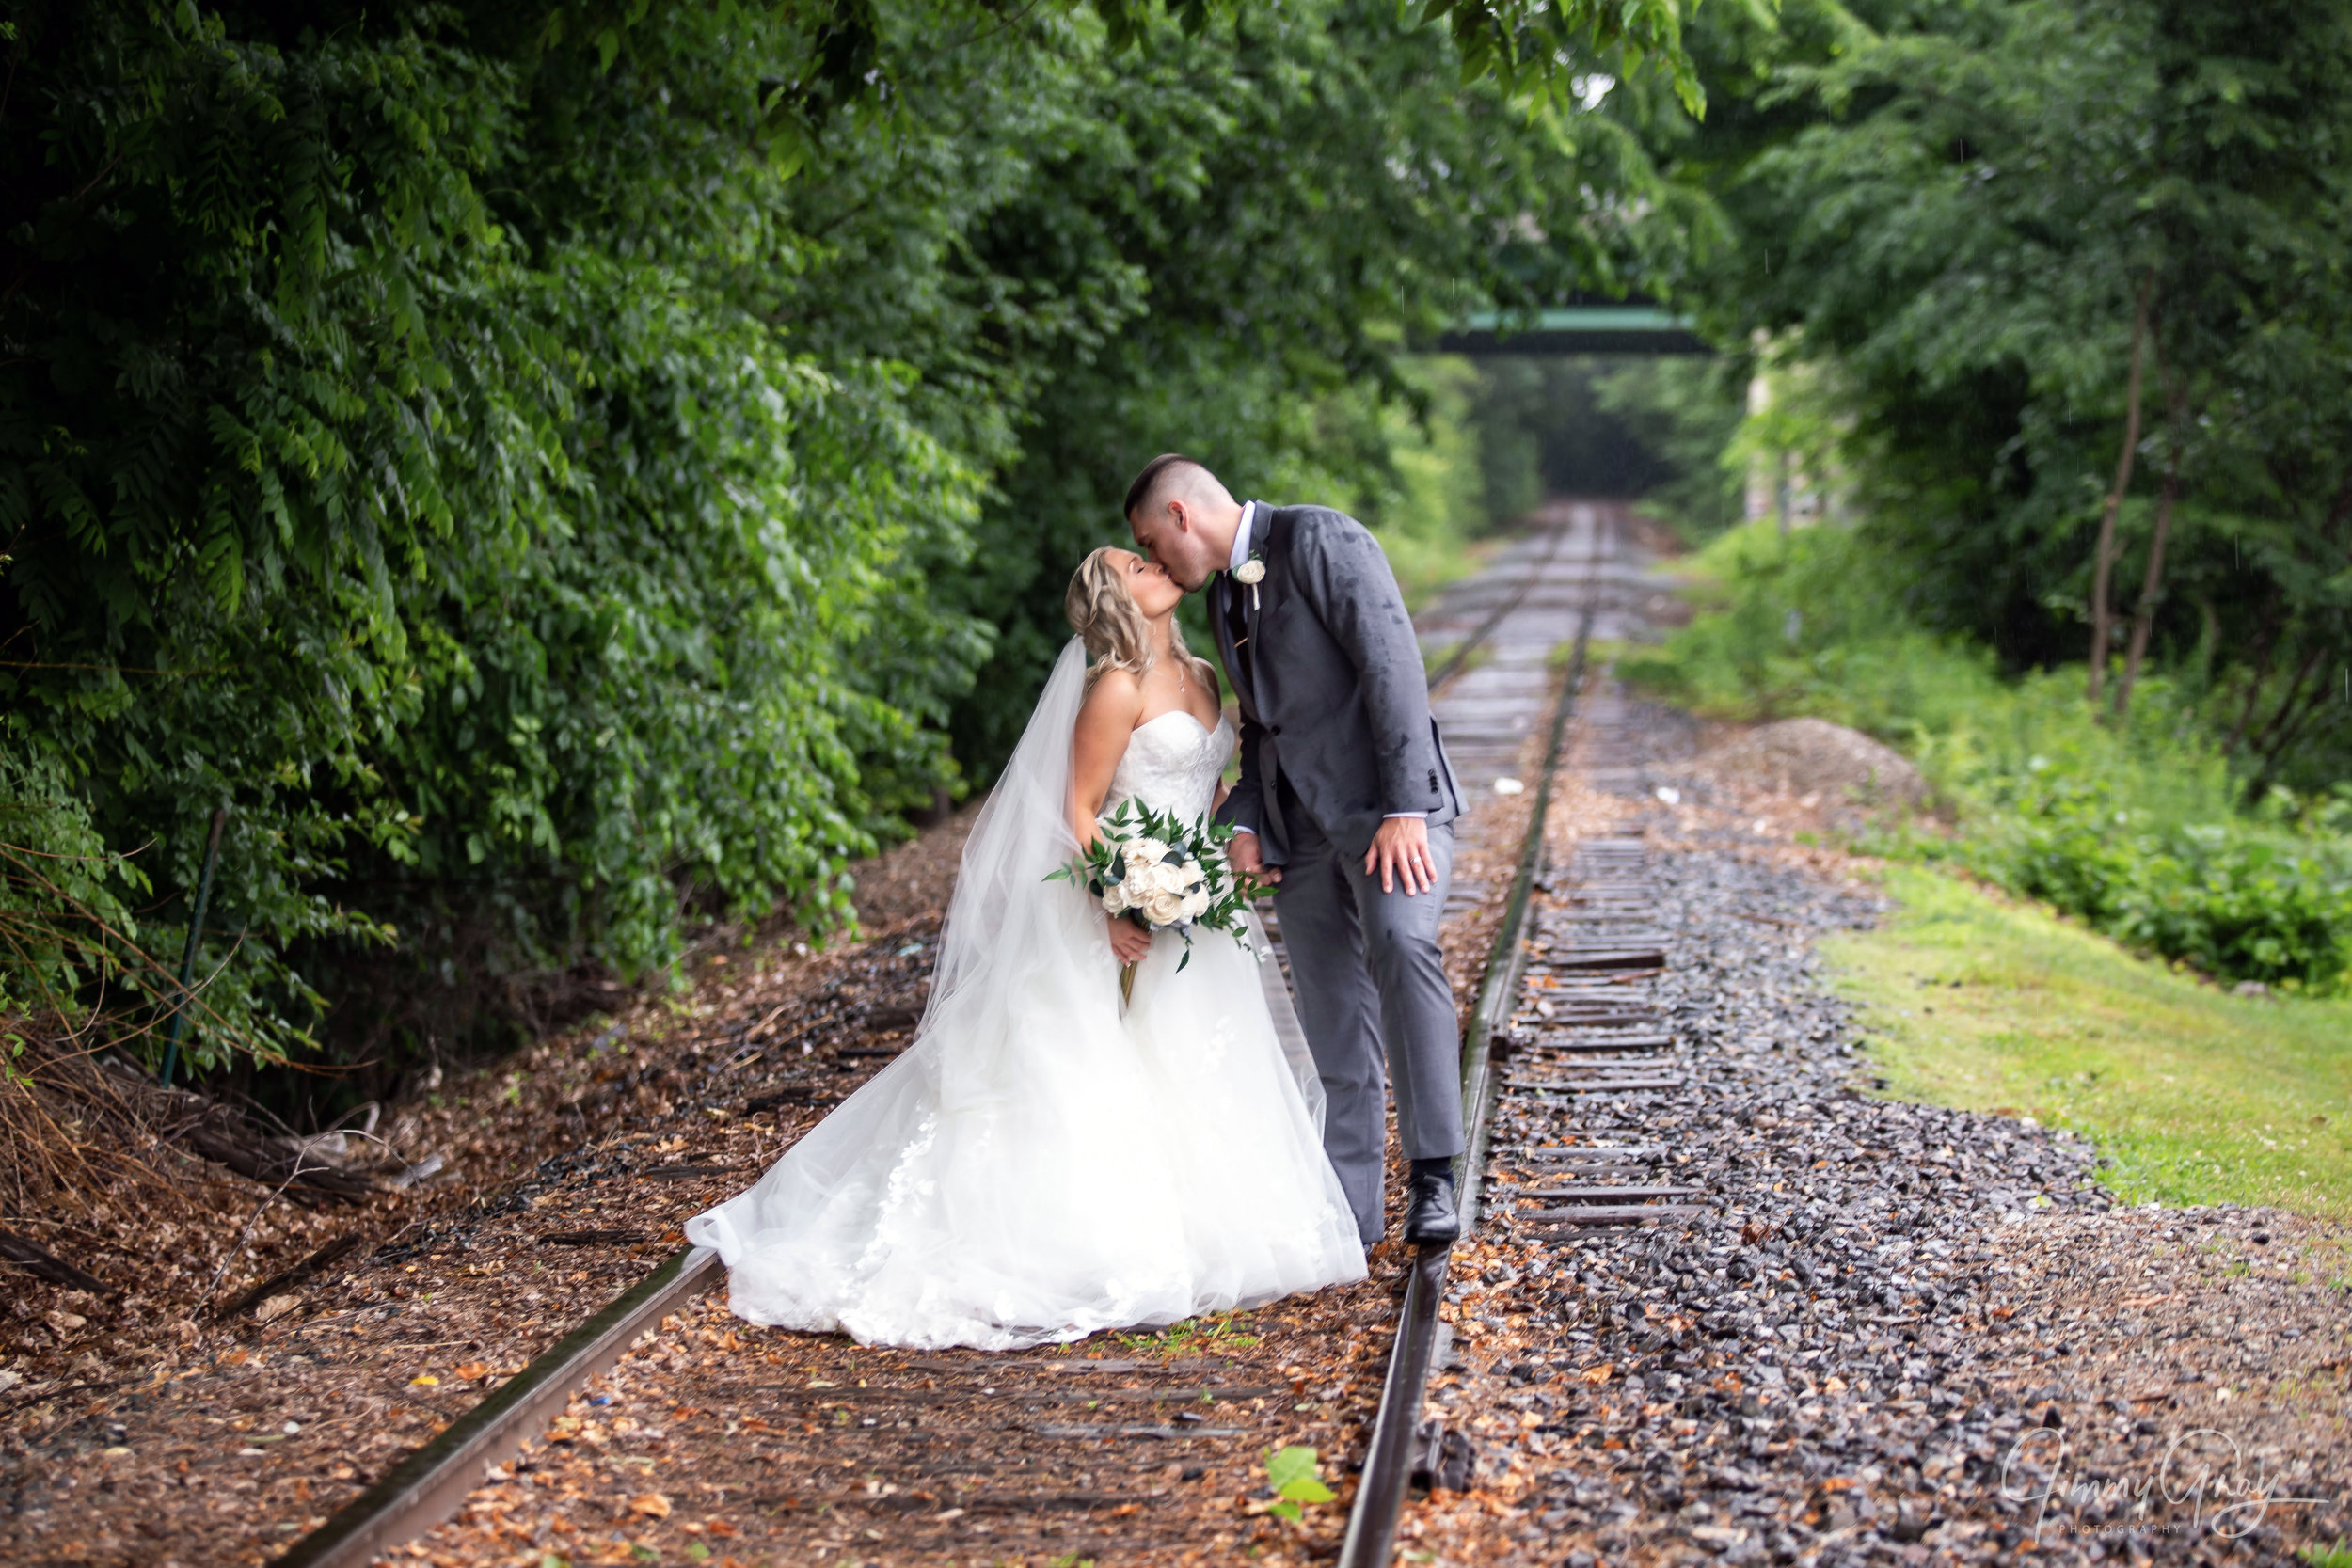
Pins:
x: 1565, y: 1049
x: 1033, y: 1452
x: 1400, y: 1452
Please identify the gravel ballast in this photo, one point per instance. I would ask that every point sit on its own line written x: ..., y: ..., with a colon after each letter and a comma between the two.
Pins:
x: 1900, y: 1333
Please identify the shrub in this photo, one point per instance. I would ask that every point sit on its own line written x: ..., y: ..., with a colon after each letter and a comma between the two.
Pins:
x: 2133, y: 826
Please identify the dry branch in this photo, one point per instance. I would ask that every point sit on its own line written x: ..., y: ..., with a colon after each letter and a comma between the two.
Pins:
x: 30, y: 1254
x: 332, y: 1253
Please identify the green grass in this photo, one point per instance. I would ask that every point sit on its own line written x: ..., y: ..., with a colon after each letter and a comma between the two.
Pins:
x: 1214, y: 1331
x: 1437, y: 658
x: 2197, y: 1096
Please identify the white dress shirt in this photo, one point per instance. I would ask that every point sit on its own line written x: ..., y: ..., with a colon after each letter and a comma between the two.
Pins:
x: 1232, y: 563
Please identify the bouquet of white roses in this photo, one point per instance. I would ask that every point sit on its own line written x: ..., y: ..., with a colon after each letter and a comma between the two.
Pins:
x: 1163, y: 874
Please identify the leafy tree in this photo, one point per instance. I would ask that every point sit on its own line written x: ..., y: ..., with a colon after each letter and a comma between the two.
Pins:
x: 476, y: 567
x: 1984, y: 214
x: 558, y: 472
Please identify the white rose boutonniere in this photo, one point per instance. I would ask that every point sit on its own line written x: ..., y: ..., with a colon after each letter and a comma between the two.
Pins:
x: 1250, y: 573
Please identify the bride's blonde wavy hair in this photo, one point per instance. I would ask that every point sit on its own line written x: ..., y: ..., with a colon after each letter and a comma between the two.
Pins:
x: 1117, y: 637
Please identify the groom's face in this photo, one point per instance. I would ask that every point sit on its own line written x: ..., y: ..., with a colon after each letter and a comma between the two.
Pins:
x: 1166, y: 533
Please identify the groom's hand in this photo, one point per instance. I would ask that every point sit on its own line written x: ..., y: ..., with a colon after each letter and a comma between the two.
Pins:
x: 1242, y: 854
x: 1401, y: 851
x: 1129, y: 941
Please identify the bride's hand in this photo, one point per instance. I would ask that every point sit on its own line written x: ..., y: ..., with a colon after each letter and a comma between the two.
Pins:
x: 1129, y: 941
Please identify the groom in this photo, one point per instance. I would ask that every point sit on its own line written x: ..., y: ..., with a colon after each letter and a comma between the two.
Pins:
x: 1346, y: 804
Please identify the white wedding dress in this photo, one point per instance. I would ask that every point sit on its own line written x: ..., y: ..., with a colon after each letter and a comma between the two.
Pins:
x: 1037, y: 1166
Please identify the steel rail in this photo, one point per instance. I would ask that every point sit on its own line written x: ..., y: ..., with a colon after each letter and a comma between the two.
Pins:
x: 1457, y: 656
x: 429, y: 1484
x: 1372, y: 1522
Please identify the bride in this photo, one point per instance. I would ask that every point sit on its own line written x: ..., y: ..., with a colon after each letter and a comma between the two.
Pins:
x: 1037, y: 1165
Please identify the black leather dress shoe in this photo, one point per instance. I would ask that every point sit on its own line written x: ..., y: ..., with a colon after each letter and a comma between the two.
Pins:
x: 1429, y: 1216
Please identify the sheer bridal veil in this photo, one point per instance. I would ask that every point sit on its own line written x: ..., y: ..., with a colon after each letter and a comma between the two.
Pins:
x: 1012, y: 936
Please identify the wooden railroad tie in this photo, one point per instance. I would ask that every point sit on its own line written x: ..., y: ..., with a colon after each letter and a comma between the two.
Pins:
x: 1604, y: 1195
x: 1611, y: 1215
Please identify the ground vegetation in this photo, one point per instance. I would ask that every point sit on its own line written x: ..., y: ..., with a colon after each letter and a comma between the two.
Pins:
x: 2195, y: 1095
x: 2136, y: 824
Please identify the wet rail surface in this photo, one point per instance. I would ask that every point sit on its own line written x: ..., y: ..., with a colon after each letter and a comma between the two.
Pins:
x: 712, y: 1438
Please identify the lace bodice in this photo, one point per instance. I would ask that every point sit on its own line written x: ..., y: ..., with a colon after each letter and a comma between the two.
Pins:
x: 1173, y: 765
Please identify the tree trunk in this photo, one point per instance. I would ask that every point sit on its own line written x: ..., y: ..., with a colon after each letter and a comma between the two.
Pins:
x: 2259, y: 786
x: 2266, y: 645
x: 2271, y: 744
x: 2103, y: 560
x: 2152, y: 584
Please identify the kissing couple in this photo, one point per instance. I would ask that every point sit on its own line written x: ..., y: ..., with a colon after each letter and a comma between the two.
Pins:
x: 1040, y: 1163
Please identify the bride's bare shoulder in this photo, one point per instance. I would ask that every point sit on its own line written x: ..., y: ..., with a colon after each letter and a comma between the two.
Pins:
x: 1113, y: 702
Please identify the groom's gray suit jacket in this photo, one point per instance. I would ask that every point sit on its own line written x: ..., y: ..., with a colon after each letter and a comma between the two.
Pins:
x: 1334, y: 695
x: 1336, y: 734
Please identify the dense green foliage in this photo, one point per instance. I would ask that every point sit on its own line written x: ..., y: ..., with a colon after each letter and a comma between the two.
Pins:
x: 1687, y: 415
x: 496, y: 568
x: 1955, y: 226
x: 560, y: 473
x: 1545, y: 428
x: 1300, y: 203
x: 2044, y: 304
x: 2133, y: 825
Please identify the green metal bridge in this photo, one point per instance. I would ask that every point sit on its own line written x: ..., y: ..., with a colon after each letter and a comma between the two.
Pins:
x: 1614, y: 327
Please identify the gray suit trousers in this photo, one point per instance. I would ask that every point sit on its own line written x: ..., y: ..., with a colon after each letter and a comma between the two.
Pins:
x: 1371, y: 984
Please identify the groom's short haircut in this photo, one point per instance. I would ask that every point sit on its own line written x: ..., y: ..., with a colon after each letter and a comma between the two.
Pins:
x: 1169, y: 474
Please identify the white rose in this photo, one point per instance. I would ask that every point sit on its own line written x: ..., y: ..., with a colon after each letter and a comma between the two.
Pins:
x: 1145, y: 851
x: 1164, y: 907
x: 1195, y: 905
x: 1194, y: 876
x: 1115, y: 898
x: 1167, y: 878
x: 1251, y: 571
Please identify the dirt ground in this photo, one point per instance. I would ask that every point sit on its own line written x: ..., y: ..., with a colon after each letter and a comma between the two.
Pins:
x: 141, y: 1426
x: 137, y: 1429
x: 133, y: 1432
